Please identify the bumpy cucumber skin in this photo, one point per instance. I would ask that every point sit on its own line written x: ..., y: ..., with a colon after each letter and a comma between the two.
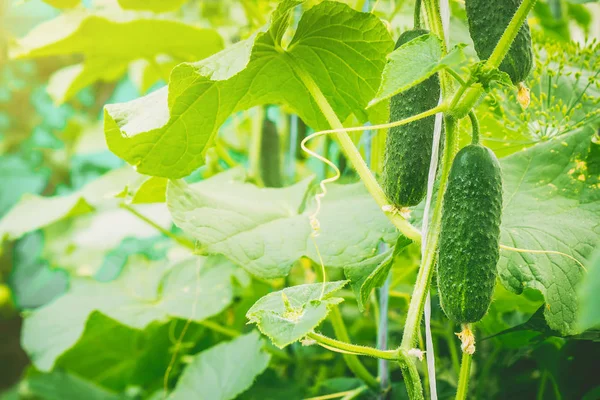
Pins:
x: 488, y: 19
x: 470, y: 235
x: 408, y: 147
x: 270, y: 158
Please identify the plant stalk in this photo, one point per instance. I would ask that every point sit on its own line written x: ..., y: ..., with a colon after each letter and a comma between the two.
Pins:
x: 353, y: 348
x: 463, y: 378
x: 351, y: 360
x: 353, y: 154
x: 417, y: 16
x: 434, y: 17
x: 417, y: 302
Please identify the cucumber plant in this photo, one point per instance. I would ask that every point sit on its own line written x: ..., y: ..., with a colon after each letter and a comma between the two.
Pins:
x: 206, y: 250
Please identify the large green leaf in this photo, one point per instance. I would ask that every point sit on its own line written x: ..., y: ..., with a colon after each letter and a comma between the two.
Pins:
x: 414, y: 62
x: 145, y: 292
x: 266, y: 230
x: 589, y: 296
x: 80, y: 245
x: 32, y: 281
x: 224, y: 371
x: 109, y: 42
x: 338, y: 50
x: 551, y: 203
x: 151, y: 5
x: 372, y: 272
x: 60, y: 385
x: 34, y: 212
x: 63, y: 3
x: 290, y: 314
x: 115, y: 356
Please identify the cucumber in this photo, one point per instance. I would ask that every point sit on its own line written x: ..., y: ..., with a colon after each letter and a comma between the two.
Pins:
x: 408, y: 147
x: 487, y: 22
x: 270, y: 157
x: 470, y: 235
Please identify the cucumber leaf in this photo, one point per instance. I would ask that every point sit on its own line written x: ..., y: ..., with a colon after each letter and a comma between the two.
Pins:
x: 414, y: 62
x: 64, y: 385
x: 336, y: 50
x: 588, y: 295
x: 267, y: 230
x: 115, y: 355
x: 290, y: 314
x: 145, y: 292
x: 63, y: 3
x: 109, y: 42
x: 33, y: 212
x: 551, y: 203
x: 223, y: 371
x: 372, y: 273
x: 157, y: 6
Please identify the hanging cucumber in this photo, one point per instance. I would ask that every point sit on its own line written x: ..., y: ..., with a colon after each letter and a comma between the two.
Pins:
x: 408, y: 147
x: 470, y: 234
x: 487, y: 22
x: 270, y: 157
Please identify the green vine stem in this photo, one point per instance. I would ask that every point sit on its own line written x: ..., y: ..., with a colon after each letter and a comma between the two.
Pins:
x: 463, y: 378
x: 417, y: 22
x: 345, y: 348
x: 474, y: 93
x: 474, y: 127
x: 417, y: 302
x: 351, y: 360
x: 353, y: 154
x: 436, y: 26
x: 413, y: 382
x: 181, y: 240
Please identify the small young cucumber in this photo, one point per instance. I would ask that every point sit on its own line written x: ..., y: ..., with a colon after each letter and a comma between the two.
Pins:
x: 470, y: 234
x: 270, y: 157
x: 408, y: 147
x: 487, y: 22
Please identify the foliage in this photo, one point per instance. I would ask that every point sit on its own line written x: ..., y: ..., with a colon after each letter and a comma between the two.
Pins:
x: 182, y: 275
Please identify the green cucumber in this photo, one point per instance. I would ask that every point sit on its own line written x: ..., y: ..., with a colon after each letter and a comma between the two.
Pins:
x: 270, y: 155
x: 470, y: 234
x: 408, y: 147
x: 488, y: 20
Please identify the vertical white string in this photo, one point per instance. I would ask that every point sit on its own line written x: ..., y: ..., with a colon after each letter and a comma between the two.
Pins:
x: 437, y: 133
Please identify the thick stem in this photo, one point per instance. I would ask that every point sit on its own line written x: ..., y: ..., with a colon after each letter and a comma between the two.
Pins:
x: 450, y: 338
x: 417, y: 302
x: 353, y: 154
x: 353, y: 348
x: 463, y: 378
x: 417, y: 16
x: 412, y: 380
x: 510, y: 34
x: 436, y: 26
x: 351, y: 360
